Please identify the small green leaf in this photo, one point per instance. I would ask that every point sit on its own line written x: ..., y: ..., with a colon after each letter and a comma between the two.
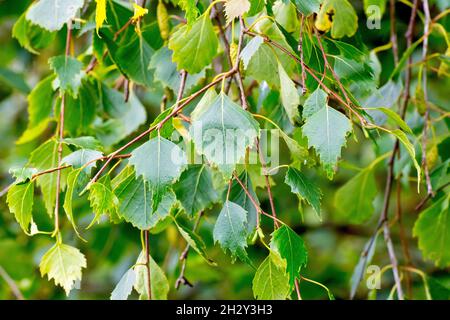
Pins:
x: 195, y: 189
x: 354, y: 200
x: 68, y: 73
x: 159, y: 285
x: 304, y: 188
x: 326, y: 131
x: 194, y: 241
x: 223, y: 133
x: 160, y: 162
x: 125, y: 286
x: 40, y: 103
x: 102, y: 199
x: 83, y: 158
x: 432, y: 228
x: 194, y: 47
x: 289, y: 95
x: 20, y: 201
x: 271, y: 282
x: 31, y: 37
x: 135, y: 201
x: 292, y: 248
x: 230, y: 230
x: 43, y: 158
x: 63, y: 263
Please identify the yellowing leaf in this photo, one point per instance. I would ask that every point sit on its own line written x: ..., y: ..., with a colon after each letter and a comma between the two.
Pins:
x: 63, y: 263
x: 139, y: 12
x: 236, y: 8
x: 339, y: 16
x: 100, y: 13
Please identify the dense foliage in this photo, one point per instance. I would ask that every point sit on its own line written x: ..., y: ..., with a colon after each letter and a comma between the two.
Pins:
x: 230, y: 149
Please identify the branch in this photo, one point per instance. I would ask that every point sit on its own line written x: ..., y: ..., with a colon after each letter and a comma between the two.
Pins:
x: 426, y: 29
x: 61, y: 136
x: 158, y: 126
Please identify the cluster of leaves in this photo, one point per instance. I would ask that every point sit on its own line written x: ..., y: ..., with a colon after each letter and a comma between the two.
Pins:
x: 295, y: 67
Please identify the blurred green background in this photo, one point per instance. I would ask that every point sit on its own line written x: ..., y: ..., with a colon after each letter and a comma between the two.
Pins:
x: 334, y: 246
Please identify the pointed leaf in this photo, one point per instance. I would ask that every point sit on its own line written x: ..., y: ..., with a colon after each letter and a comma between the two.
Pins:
x: 63, y: 263
x: 20, y: 202
x: 230, y: 230
x: 194, y: 47
x: 195, y: 189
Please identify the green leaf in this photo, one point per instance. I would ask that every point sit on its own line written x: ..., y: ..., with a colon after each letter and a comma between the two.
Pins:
x: 316, y: 101
x: 304, y: 188
x: 80, y: 112
x: 68, y: 73
x: 250, y: 49
x: 191, y: 10
x: 83, y: 158
x: 194, y: 241
x: 73, y: 188
x: 31, y: 37
x: 22, y: 174
x: 263, y: 65
x: 63, y: 263
x: 307, y: 7
x: 394, y: 117
x: 358, y: 76
x: 43, y: 158
x: 127, y: 117
x: 326, y: 131
x: 166, y: 71
x: 205, y: 102
x: 40, y: 103
x: 159, y: 285
x: 133, y: 59
x: 86, y: 142
x: 223, y: 133
x: 340, y: 16
x: 125, y: 286
x: 432, y: 228
x: 271, y: 282
x: 354, y: 200
x: 291, y: 248
x: 102, y: 199
x: 401, y: 136
x: 195, y: 189
x: 239, y: 196
x: 194, y: 47
x: 289, y: 95
x: 135, y: 201
x: 160, y: 162
x: 230, y: 230
x: 20, y: 201
x: 53, y: 14
x: 286, y: 15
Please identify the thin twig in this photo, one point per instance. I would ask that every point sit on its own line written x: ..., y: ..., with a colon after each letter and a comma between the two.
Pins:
x: 426, y: 29
x: 148, y: 283
x: 181, y: 280
x: 300, y: 50
x: 11, y: 284
x: 61, y: 135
